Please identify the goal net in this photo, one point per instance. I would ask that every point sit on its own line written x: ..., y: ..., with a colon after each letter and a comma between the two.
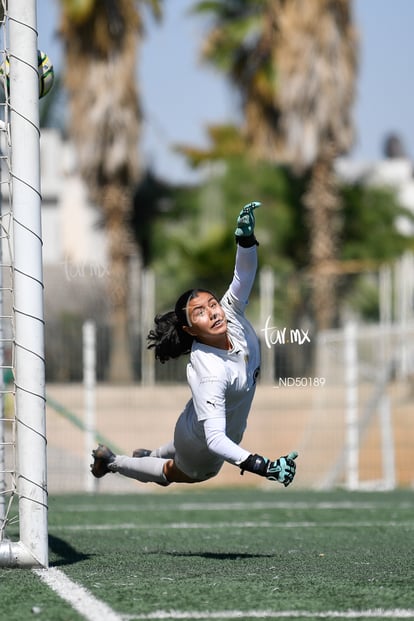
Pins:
x: 355, y: 431
x: 23, y: 487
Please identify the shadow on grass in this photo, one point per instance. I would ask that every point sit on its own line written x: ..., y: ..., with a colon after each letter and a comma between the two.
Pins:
x: 221, y: 556
x: 66, y: 553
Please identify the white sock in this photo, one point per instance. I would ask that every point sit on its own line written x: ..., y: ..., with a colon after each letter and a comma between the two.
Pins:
x: 144, y: 469
x: 167, y: 451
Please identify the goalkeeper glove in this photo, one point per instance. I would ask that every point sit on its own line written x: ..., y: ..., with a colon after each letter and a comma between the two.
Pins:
x: 245, y: 225
x: 282, y: 469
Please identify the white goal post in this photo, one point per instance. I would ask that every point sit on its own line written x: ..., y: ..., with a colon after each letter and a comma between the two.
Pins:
x: 25, y: 462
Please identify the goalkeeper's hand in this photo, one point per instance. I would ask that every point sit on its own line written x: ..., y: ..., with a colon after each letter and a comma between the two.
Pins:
x: 246, y: 221
x: 282, y: 469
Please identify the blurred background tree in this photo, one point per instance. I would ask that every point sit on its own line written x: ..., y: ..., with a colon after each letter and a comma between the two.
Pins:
x: 103, y: 37
x: 194, y: 238
x: 294, y: 63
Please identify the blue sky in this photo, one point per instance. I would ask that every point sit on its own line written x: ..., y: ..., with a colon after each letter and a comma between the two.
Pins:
x: 181, y: 97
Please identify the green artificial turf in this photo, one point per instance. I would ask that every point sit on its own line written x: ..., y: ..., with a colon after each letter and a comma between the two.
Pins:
x: 206, y: 551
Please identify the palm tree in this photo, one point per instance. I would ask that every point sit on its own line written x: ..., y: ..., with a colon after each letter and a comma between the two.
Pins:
x: 101, y: 39
x: 294, y: 63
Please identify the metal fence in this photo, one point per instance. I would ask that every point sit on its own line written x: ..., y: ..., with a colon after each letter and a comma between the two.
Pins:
x: 351, y: 419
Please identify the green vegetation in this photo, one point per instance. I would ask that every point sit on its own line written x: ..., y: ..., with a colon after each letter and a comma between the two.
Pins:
x: 190, y: 241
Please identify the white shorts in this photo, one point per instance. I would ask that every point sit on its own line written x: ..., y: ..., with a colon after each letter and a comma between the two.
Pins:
x: 191, y: 454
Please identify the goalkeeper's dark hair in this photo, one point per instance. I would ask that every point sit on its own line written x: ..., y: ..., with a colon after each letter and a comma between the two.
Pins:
x: 168, y: 338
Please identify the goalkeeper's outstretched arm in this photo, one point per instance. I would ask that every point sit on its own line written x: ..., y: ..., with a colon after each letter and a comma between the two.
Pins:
x: 282, y: 470
x: 246, y: 256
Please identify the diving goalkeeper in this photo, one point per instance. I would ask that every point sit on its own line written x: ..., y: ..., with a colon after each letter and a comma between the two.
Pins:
x: 222, y: 371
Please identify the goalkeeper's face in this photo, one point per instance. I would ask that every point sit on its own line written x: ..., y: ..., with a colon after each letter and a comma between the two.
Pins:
x: 207, y: 318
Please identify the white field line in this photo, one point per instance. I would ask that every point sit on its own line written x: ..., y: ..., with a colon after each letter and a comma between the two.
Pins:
x: 93, y: 609
x: 231, y: 506
x: 86, y: 604
x: 375, y: 613
x: 232, y: 525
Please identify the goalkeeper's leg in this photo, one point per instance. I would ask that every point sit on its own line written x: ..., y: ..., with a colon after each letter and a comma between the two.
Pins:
x: 144, y: 469
x: 149, y: 470
x: 167, y: 451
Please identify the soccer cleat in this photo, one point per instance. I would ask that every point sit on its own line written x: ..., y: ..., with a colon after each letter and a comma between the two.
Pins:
x: 102, y: 456
x: 142, y: 453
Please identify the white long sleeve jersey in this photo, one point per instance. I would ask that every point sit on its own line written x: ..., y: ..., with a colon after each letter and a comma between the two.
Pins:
x: 223, y: 382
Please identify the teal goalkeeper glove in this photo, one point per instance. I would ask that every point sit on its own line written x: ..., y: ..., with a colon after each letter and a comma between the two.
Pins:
x: 246, y: 220
x: 282, y: 469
